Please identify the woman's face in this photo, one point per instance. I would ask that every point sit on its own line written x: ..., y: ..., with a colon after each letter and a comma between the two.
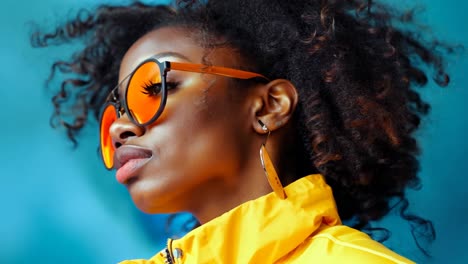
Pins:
x: 198, y: 146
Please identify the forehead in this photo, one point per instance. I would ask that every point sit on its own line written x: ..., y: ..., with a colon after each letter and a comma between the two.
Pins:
x: 173, y: 40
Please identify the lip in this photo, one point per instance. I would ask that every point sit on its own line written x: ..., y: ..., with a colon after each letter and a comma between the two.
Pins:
x: 128, y: 160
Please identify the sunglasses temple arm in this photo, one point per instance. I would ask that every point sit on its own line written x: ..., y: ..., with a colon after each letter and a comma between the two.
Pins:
x: 200, y: 68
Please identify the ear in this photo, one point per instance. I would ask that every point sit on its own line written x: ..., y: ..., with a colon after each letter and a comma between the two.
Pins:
x: 274, y: 105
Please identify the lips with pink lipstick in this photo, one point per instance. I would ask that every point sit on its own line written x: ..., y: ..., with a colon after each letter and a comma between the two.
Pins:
x: 128, y: 160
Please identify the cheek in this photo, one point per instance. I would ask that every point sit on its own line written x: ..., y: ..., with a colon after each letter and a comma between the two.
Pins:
x: 198, y: 134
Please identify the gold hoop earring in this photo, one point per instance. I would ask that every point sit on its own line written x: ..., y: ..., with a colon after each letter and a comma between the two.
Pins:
x: 269, y: 168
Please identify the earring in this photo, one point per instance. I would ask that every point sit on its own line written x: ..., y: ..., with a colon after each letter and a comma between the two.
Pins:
x: 269, y: 168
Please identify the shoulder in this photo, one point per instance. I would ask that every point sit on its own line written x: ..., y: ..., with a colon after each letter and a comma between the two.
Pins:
x: 342, y: 244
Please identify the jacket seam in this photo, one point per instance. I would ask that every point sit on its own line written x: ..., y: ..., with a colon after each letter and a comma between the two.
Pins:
x: 350, y: 245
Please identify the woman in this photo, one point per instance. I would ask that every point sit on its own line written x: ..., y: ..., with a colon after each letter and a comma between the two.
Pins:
x: 272, y: 122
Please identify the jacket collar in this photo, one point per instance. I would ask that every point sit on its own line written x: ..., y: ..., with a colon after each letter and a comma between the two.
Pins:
x: 265, y: 229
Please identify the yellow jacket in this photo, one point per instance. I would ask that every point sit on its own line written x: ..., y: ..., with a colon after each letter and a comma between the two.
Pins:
x: 304, y: 228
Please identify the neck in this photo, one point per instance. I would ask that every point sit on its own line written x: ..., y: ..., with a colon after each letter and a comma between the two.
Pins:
x: 247, y: 182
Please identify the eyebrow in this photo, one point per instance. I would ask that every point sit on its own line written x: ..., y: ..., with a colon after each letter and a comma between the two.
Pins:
x: 159, y: 56
x: 170, y: 54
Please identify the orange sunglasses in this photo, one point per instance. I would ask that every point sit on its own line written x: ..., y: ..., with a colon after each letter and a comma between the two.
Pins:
x: 145, y: 96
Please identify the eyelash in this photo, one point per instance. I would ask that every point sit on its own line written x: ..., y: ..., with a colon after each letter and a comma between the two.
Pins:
x: 150, y: 87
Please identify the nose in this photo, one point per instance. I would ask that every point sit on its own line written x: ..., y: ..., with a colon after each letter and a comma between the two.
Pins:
x: 123, y: 129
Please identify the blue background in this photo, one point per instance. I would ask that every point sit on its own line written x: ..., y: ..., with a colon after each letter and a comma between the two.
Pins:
x: 60, y: 205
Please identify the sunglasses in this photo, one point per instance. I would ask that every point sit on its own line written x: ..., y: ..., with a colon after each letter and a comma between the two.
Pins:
x: 145, y: 96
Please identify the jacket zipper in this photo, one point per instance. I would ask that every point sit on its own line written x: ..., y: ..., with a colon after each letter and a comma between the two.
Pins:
x: 169, y: 259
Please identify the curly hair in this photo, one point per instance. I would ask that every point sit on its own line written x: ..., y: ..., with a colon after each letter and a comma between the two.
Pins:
x: 356, y: 65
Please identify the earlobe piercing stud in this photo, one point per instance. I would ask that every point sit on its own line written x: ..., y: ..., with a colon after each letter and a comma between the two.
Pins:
x: 264, y: 127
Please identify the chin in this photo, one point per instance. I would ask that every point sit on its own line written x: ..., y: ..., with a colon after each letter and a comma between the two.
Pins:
x: 152, y: 202
x: 149, y: 207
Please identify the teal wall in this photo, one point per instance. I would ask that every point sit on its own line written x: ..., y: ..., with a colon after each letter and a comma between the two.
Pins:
x: 59, y: 205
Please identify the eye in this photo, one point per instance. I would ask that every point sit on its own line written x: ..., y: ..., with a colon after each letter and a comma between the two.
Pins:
x: 154, y: 89
x: 151, y: 88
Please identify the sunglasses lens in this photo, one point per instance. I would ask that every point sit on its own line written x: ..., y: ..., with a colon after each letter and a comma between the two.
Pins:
x: 109, y: 115
x: 144, y: 93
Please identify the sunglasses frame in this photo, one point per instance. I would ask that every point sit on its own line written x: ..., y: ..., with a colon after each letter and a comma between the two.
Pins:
x: 164, y: 67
